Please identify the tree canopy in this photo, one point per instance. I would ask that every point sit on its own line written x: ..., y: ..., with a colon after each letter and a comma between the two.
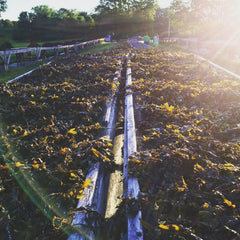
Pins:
x: 3, y: 6
x: 126, y: 17
x: 186, y: 18
x: 45, y: 23
x: 205, y: 18
x: 126, y: 8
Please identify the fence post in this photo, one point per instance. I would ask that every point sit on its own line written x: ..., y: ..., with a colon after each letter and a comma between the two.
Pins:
x: 38, y: 52
x: 56, y: 51
x: 6, y: 60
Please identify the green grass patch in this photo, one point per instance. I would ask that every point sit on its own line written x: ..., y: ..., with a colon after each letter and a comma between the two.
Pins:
x: 17, y: 44
x: 20, y: 44
x: 15, y: 72
x: 98, y: 48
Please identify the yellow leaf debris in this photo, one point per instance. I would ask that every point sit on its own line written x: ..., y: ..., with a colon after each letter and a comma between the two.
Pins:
x: 18, y: 164
x: 145, y: 138
x: 35, y: 166
x: 106, y: 159
x: 176, y: 227
x: 165, y: 227
x: 205, y: 205
x: 73, y: 175
x: 86, y: 183
x: 95, y: 152
x: 80, y: 196
x: 198, y: 167
x: 72, y: 131
x: 229, y: 203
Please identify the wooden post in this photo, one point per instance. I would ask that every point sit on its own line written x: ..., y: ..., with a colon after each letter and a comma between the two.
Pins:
x: 6, y: 60
x: 56, y: 51
x: 38, y: 52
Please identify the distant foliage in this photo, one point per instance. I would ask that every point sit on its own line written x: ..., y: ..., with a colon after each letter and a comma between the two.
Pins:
x: 126, y: 18
x: 3, y: 6
x: 205, y: 19
x: 5, y: 44
x: 44, y: 23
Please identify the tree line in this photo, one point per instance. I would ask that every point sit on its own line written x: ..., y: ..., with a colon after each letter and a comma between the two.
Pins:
x: 123, y: 18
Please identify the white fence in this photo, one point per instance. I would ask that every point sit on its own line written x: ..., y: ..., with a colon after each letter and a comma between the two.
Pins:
x: 6, y: 55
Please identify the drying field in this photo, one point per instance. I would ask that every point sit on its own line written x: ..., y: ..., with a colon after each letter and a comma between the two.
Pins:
x: 50, y: 127
x: 188, y: 127
x: 188, y: 138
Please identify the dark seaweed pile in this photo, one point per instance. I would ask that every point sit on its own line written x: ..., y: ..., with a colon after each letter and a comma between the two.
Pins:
x: 188, y: 129
x: 51, y: 128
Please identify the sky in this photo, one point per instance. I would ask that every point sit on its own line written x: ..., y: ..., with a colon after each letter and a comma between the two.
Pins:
x: 15, y: 7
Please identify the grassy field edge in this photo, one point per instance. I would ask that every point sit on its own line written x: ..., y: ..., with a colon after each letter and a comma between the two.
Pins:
x: 15, y: 72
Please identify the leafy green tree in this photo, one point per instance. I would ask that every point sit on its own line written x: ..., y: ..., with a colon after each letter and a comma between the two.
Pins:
x: 161, y: 22
x: 216, y: 17
x: 6, y: 23
x: 81, y: 19
x: 209, y: 10
x: 3, y: 6
x: 145, y: 8
x: 25, y: 18
x: 45, y: 23
x: 41, y: 23
x: 111, y: 7
x: 126, y: 18
x: 24, y: 26
x: 178, y: 15
x: 207, y: 19
x: 7, y: 29
x: 124, y: 7
x: 42, y: 12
